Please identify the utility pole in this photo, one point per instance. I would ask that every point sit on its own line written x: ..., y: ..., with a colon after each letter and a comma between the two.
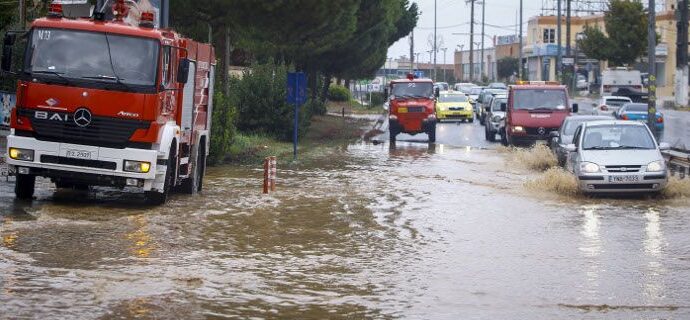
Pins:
x: 22, y: 14
x: 681, y: 76
x: 435, y: 39
x: 165, y: 14
x: 651, y: 59
x: 412, y: 51
x: 472, y: 40
x: 559, y: 57
x: 481, y: 61
x: 416, y: 58
x: 444, y: 64
x: 520, y: 75
x: 571, y: 70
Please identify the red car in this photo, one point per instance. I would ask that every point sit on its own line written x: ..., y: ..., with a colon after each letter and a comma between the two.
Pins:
x: 412, y: 107
x: 534, y: 110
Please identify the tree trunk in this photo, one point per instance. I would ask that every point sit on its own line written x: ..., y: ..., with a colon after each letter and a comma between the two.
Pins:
x: 347, y: 83
x: 324, y: 87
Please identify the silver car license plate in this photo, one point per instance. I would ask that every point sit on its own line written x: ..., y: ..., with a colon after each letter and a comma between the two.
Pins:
x: 79, y: 154
x: 623, y: 179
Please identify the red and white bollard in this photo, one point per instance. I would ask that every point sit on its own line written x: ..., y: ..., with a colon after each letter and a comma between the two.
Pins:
x: 270, y: 173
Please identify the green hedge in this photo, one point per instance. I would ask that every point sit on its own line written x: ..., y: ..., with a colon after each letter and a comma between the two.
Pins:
x: 338, y: 93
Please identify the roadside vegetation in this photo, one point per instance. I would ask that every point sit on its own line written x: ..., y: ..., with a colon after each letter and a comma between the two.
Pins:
x: 342, y: 41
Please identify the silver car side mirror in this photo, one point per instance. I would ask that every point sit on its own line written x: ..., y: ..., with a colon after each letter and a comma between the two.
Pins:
x: 664, y: 146
x: 571, y: 148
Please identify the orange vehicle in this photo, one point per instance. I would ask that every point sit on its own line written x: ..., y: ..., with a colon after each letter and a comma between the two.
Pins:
x: 411, y: 107
x: 106, y: 103
x: 534, y: 109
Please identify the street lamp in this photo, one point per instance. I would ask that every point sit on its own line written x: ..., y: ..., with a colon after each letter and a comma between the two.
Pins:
x: 444, y: 63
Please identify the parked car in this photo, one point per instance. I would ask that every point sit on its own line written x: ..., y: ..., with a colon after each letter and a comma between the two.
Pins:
x: 497, y: 85
x: 638, y: 112
x: 616, y: 156
x: 611, y: 105
x: 464, y: 87
x: 484, y: 100
x: 442, y: 86
x: 494, y: 119
x: 564, y: 136
x: 474, y: 95
x: 582, y: 83
x: 452, y: 105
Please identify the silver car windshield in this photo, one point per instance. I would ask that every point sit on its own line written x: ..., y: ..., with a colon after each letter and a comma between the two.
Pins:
x: 608, y: 137
x: 496, y: 104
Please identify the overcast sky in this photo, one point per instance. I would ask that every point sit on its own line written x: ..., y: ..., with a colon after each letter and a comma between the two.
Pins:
x: 454, y: 17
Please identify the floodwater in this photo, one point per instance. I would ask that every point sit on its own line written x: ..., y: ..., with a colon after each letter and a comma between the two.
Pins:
x: 450, y: 231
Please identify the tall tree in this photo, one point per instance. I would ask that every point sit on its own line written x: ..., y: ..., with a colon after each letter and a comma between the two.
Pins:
x: 626, y: 29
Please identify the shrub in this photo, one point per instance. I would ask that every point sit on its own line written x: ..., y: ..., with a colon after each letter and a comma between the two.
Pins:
x: 222, y: 127
x: 260, y: 98
x: 338, y: 93
x: 377, y: 99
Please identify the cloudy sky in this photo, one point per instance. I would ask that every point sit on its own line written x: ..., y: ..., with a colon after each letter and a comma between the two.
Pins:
x: 454, y: 17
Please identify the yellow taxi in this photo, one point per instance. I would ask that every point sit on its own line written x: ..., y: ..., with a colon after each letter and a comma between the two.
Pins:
x: 454, y: 105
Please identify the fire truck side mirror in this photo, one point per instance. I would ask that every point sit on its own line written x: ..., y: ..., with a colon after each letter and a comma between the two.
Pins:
x: 8, y: 43
x: 504, y: 106
x: 183, y: 71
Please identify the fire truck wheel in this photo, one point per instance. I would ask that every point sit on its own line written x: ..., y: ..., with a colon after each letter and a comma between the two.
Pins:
x: 24, y: 187
x: 158, y: 198
x: 195, y: 181
x: 432, y: 134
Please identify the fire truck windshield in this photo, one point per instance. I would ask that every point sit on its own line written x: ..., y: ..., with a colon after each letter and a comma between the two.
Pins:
x: 532, y: 99
x: 93, y: 57
x: 413, y: 89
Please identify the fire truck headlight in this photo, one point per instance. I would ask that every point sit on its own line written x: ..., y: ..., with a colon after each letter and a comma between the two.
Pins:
x: 518, y: 129
x: 21, y: 154
x: 137, y: 166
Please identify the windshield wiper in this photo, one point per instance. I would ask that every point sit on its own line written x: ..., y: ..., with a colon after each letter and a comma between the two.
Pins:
x: 598, y: 148
x: 111, y: 78
x: 55, y: 73
x: 629, y: 147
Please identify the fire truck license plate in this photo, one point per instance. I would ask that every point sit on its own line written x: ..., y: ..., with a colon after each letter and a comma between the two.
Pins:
x: 79, y: 154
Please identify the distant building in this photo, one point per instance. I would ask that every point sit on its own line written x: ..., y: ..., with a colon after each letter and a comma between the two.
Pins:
x: 462, y: 65
x: 540, y: 48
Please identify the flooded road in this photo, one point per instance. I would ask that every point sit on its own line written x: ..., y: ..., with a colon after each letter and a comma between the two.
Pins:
x: 365, y: 231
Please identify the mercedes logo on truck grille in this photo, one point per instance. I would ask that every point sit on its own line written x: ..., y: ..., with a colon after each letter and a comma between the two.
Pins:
x: 541, y: 131
x: 82, y: 117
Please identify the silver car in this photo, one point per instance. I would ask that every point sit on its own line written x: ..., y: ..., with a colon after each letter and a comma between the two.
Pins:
x: 494, y: 118
x: 615, y: 156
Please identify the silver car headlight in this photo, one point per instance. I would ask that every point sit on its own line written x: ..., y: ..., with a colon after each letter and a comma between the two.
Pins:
x: 589, y: 167
x: 656, y: 166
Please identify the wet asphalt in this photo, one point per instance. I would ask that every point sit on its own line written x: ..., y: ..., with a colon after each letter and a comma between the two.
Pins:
x: 414, y: 231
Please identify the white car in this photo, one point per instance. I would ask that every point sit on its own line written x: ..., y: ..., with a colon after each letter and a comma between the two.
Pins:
x: 613, y: 156
x: 609, y: 105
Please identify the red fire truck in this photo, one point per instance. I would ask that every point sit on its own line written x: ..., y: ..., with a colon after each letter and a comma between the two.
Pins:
x: 106, y: 103
x: 534, y: 109
x: 411, y: 104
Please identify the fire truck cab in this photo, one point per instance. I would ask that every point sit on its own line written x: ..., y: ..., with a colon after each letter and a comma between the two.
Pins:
x: 534, y: 109
x: 411, y: 107
x: 106, y: 103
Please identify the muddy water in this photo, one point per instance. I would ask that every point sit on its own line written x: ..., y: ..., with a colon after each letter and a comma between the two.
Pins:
x: 368, y: 231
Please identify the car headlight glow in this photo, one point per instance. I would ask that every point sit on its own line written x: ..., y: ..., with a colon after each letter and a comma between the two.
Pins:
x: 518, y: 129
x: 655, y: 166
x: 136, y: 166
x: 21, y: 154
x: 589, y: 167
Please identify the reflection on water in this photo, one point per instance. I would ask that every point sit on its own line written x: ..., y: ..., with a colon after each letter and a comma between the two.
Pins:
x: 591, y: 245
x: 653, y: 245
x: 412, y: 231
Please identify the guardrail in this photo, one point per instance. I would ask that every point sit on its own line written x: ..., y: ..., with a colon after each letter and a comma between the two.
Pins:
x: 678, y: 162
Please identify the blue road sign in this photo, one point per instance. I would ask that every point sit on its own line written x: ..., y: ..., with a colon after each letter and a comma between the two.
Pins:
x: 296, y: 95
x: 297, y: 88
x: 419, y: 74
